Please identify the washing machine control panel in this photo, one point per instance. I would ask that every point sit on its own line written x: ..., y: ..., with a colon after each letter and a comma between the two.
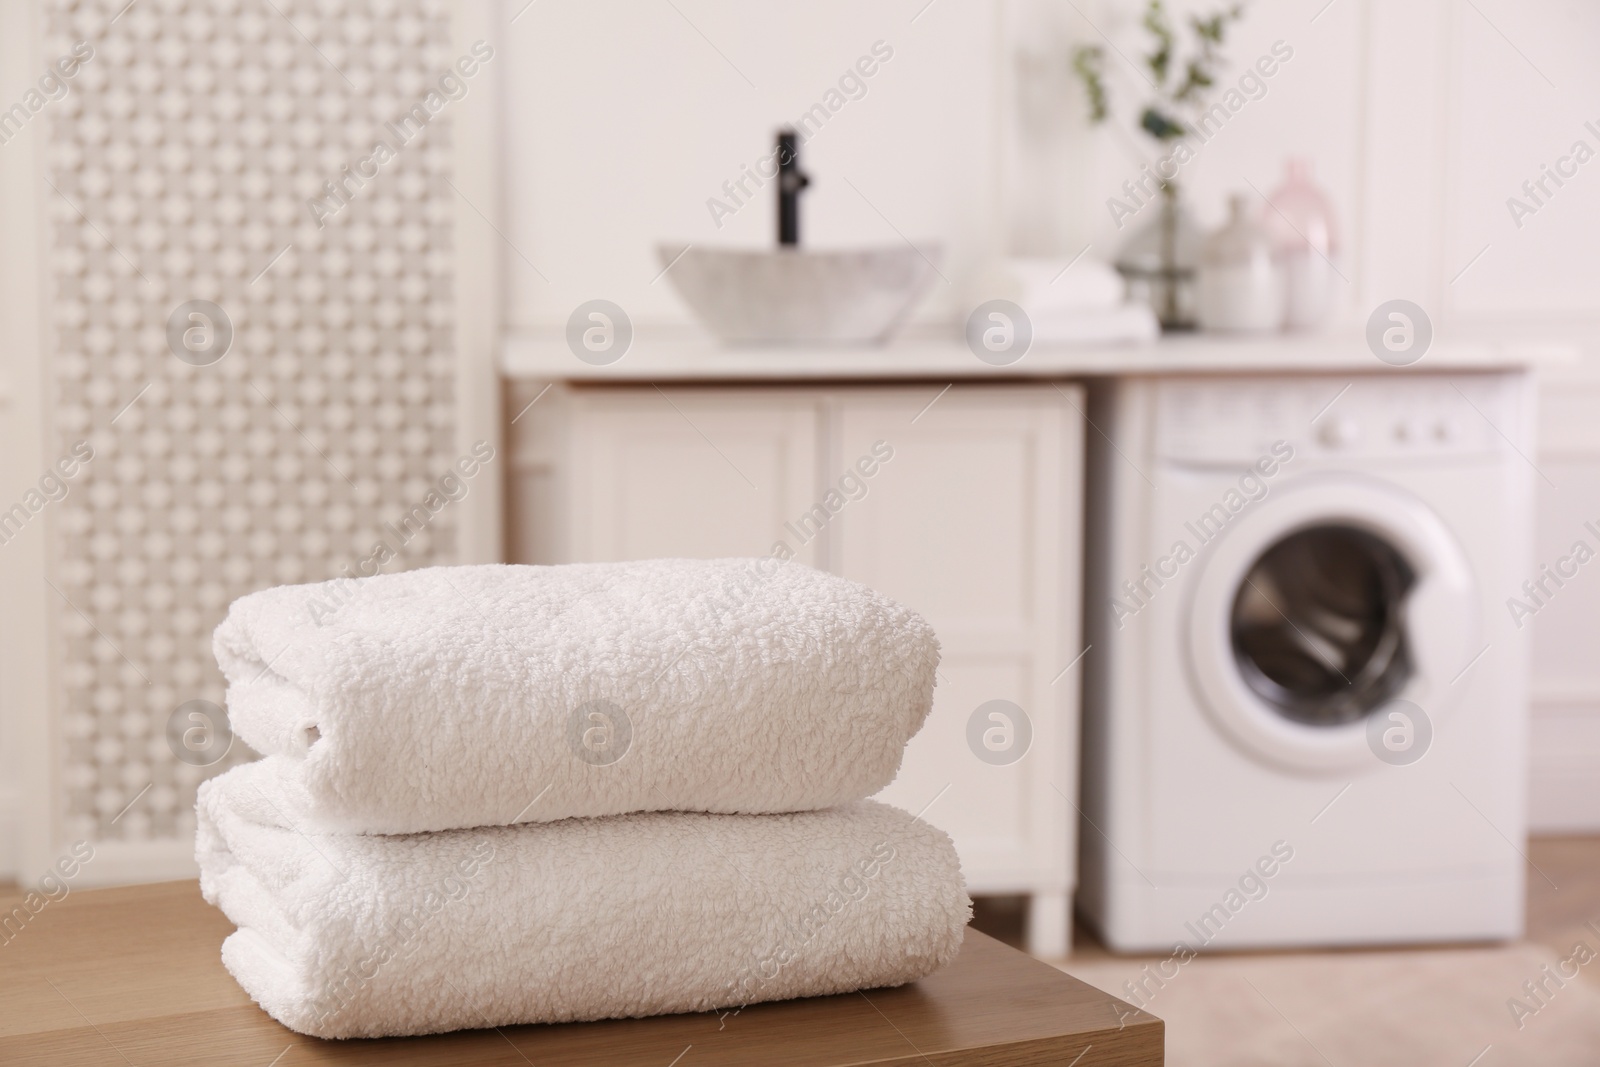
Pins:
x: 1237, y: 421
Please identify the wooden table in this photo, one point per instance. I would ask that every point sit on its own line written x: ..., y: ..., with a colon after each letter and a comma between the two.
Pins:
x: 133, y: 976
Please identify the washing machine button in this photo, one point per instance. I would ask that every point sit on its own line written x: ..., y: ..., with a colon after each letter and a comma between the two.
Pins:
x: 1339, y: 432
x: 1414, y: 432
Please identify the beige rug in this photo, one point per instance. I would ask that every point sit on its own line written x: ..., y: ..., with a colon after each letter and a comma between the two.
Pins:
x: 1367, y: 1009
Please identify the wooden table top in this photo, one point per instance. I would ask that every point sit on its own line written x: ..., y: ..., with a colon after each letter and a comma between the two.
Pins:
x: 134, y: 976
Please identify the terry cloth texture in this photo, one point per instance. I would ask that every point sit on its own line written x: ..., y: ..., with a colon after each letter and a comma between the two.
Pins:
x: 350, y: 935
x: 454, y: 697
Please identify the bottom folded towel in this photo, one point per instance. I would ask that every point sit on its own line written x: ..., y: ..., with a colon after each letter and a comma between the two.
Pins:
x: 629, y: 915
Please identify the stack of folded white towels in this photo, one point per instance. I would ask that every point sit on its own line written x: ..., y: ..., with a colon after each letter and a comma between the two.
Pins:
x: 499, y: 794
x: 1074, y: 301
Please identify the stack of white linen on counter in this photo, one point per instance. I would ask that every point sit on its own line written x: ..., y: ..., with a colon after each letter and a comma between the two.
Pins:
x: 1074, y: 301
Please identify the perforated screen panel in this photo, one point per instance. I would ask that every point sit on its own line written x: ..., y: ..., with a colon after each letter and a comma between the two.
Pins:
x: 186, y: 163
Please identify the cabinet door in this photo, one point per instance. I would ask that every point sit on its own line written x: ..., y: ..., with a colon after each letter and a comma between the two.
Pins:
x: 975, y: 523
x: 697, y: 473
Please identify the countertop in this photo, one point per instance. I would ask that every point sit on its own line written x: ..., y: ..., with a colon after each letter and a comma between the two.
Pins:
x: 685, y: 354
x: 135, y: 975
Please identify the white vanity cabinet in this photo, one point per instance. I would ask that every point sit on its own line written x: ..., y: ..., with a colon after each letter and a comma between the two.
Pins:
x: 688, y: 472
x: 962, y: 503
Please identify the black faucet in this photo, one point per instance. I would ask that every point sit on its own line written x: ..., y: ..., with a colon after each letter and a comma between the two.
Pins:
x: 790, y: 183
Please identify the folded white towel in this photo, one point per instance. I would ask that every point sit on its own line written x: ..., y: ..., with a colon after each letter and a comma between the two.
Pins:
x: 1125, y: 323
x: 470, y: 696
x: 350, y: 935
x: 1045, y: 285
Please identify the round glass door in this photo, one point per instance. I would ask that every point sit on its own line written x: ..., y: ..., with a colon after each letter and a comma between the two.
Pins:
x: 1317, y: 625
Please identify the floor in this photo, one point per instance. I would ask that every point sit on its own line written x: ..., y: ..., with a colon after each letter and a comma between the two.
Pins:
x: 1450, y: 1006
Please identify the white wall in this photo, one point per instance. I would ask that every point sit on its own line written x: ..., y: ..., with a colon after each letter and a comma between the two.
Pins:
x: 1505, y: 121
x: 1565, y: 677
x: 25, y: 756
x: 623, y: 118
x: 1421, y: 117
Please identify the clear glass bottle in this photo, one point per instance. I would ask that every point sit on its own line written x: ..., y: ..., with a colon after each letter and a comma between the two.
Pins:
x: 1241, y: 285
x: 1305, y: 239
x: 1159, y: 259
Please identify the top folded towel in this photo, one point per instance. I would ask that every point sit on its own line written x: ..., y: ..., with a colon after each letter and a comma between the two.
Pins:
x: 471, y: 696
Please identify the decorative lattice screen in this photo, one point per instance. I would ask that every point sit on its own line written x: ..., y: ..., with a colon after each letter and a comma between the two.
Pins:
x: 181, y: 164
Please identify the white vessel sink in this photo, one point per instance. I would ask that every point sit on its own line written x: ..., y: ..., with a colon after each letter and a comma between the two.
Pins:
x: 798, y: 295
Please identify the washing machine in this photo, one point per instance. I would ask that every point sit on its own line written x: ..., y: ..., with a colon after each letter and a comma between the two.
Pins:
x: 1305, y: 698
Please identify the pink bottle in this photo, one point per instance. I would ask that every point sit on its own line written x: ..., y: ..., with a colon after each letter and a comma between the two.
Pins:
x: 1305, y: 238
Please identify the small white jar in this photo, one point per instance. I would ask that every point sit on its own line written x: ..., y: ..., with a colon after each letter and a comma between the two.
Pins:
x: 1241, y: 284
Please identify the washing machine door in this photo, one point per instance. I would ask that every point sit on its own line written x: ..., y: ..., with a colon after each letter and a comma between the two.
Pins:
x: 1319, y: 608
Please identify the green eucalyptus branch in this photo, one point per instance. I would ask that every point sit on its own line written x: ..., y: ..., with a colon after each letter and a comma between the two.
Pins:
x: 1088, y: 62
x: 1210, y: 32
x: 1160, y: 59
x: 1162, y: 115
